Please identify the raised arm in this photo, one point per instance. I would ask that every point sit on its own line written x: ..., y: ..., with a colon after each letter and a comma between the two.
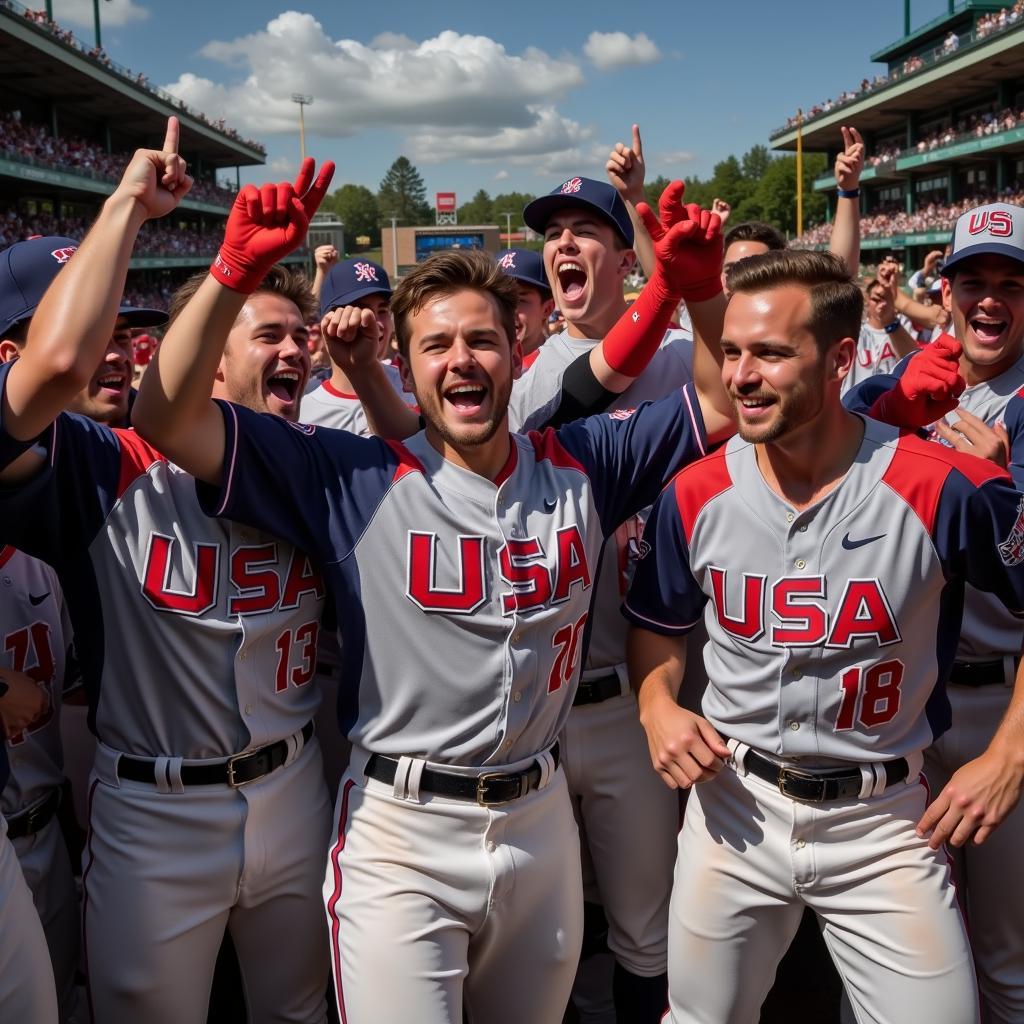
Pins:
x: 625, y: 170
x: 845, y: 241
x: 324, y: 257
x: 73, y: 324
x: 174, y: 409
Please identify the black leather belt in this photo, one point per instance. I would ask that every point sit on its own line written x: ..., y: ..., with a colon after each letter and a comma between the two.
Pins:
x: 816, y: 785
x: 979, y: 673
x: 593, y: 691
x: 35, y: 819
x: 487, y: 789
x: 235, y: 771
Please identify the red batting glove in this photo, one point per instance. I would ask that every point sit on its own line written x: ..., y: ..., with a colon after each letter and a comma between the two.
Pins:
x: 687, y: 245
x: 929, y: 388
x: 266, y: 224
x: 688, y: 264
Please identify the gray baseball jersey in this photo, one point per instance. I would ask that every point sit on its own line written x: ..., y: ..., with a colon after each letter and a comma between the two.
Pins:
x: 875, y: 354
x: 326, y: 406
x: 532, y: 398
x: 832, y: 629
x: 496, y: 577
x: 36, y: 634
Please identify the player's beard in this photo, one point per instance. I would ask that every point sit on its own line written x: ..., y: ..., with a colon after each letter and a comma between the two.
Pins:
x: 798, y: 407
x: 473, y: 434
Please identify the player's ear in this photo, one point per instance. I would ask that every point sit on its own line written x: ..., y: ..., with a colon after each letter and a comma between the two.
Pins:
x: 8, y: 351
x: 408, y: 385
x: 548, y: 307
x: 627, y: 261
x: 947, y: 294
x: 841, y: 358
x: 517, y: 359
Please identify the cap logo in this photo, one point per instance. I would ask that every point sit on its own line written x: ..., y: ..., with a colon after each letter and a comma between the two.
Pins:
x: 572, y: 185
x: 365, y: 272
x: 999, y: 223
x: 508, y: 261
x: 63, y: 255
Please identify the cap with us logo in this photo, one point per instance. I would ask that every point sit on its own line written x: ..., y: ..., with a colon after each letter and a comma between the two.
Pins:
x: 997, y: 228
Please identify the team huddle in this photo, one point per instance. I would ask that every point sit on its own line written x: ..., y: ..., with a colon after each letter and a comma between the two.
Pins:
x: 484, y: 558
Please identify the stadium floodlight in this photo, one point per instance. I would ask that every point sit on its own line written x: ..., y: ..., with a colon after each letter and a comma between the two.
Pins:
x: 303, y: 102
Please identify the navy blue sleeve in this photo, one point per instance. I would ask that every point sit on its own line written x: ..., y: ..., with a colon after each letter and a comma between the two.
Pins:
x: 313, y: 486
x: 1013, y: 420
x: 10, y: 447
x: 663, y: 596
x: 56, y: 514
x: 630, y: 459
x: 979, y: 535
x: 862, y: 396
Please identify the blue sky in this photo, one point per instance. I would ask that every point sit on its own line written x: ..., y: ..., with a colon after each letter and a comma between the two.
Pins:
x: 484, y: 95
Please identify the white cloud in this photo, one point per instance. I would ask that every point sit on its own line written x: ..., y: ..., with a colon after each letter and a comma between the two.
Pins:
x: 674, y: 158
x: 610, y: 50
x: 501, y: 176
x: 451, y: 90
x: 112, y: 13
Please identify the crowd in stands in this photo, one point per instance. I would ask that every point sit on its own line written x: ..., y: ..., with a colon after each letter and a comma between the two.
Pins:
x: 990, y: 122
x: 986, y: 25
x: 33, y: 143
x: 100, y: 56
x: 885, y: 223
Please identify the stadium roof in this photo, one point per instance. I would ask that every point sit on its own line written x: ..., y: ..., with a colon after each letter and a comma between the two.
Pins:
x: 36, y: 62
x: 973, y: 70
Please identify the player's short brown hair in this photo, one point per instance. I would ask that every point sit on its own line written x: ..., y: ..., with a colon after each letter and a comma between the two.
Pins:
x: 837, y: 304
x: 448, y: 272
x: 755, y: 231
x: 280, y: 280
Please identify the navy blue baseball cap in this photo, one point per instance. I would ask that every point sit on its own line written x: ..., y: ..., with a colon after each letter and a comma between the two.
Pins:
x: 525, y: 265
x: 350, y: 280
x: 28, y: 268
x: 598, y: 196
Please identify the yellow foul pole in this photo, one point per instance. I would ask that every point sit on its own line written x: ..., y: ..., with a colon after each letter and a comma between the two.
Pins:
x: 799, y: 173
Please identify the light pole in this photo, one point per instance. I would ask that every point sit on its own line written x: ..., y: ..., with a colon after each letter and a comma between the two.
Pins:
x: 394, y: 246
x: 95, y: 19
x: 303, y: 102
x: 508, y: 229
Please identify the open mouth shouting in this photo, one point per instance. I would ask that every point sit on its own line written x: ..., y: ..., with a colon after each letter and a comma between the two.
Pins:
x: 987, y: 330
x: 466, y: 398
x: 572, y: 283
x: 113, y: 384
x: 283, y: 385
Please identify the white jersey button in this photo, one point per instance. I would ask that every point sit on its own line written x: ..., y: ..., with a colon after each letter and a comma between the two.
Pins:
x: 517, y: 696
x: 801, y: 564
x: 800, y: 844
x: 248, y: 709
x: 790, y: 517
x: 794, y: 726
x: 797, y: 674
x: 802, y: 527
x: 490, y: 846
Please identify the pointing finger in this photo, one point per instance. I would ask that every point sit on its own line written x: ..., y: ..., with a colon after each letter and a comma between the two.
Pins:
x: 638, y: 146
x: 650, y: 222
x: 305, y: 176
x: 312, y: 199
x: 171, y: 138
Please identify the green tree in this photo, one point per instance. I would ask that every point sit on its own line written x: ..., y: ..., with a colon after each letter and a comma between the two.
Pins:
x: 402, y: 194
x: 479, y: 210
x: 357, y: 207
x: 755, y: 162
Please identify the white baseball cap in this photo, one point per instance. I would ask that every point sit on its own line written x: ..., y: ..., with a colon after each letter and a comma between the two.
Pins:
x: 995, y: 228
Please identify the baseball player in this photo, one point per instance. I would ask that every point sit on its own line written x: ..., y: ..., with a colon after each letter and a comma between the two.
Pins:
x: 536, y: 303
x: 885, y: 337
x: 626, y: 170
x: 35, y: 621
x: 627, y: 818
x: 831, y: 631
x: 982, y: 287
x: 196, y: 638
x: 455, y: 848
x: 364, y: 285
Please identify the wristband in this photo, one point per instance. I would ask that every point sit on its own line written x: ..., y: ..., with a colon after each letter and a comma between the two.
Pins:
x: 848, y: 193
x: 893, y: 327
x: 638, y: 333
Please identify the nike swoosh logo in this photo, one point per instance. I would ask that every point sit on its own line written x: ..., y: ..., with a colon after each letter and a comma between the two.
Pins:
x: 550, y: 504
x: 38, y: 600
x: 851, y: 544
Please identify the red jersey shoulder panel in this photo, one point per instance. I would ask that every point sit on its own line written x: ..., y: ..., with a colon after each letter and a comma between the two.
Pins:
x: 407, y: 462
x: 137, y: 456
x: 698, y: 484
x: 547, y: 447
